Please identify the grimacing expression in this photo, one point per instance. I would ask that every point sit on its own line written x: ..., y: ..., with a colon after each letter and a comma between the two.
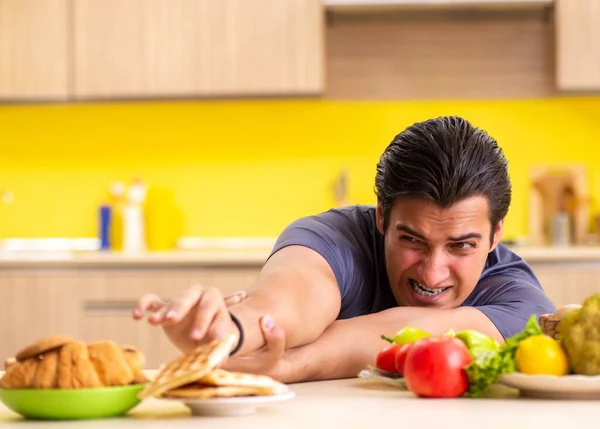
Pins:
x: 434, y: 257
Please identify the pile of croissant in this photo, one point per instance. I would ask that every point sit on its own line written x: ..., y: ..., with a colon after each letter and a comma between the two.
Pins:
x: 60, y: 362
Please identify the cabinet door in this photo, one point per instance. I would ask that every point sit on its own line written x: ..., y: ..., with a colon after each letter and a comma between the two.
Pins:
x: 33, y: 49
x: 150, y: 48
x: 578, y: 44
x: 36, y: 305
x: 568, y: 282
x: 109, y: 296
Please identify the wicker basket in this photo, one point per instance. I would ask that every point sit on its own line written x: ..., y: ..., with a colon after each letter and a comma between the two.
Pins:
x: 550, y: 323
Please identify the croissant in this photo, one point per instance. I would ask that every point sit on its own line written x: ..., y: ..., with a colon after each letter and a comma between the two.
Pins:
x: 61, y: 362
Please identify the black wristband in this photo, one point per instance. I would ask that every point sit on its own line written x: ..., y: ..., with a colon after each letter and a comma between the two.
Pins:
x: 241, y: 338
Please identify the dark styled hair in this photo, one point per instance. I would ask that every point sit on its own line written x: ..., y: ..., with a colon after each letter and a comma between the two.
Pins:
x: 445, y: 160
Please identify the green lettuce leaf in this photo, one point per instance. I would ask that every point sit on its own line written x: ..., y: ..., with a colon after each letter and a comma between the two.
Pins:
x: 487, y: 368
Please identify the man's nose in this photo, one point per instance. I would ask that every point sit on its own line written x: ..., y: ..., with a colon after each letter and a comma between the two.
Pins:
x: 433, y: 270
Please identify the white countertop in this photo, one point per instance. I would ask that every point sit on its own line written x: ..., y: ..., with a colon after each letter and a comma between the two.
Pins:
x: 357, y: 403
x: 226, y: 252
x: 207, y: 257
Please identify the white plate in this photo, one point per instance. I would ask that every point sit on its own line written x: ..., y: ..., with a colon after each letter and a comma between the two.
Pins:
x: 553, y: 387
x: 235, y: 406
x: 373, y: 374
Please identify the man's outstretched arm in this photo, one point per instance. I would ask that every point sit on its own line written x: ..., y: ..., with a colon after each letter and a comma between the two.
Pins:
x: 296, y: 287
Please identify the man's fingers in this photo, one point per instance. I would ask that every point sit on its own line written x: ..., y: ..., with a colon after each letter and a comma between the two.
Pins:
x: 274, y: 338
x: 159, y: 316
x: 263, y: 361
x: 148, y: 302
x: 183, y: 304
x: 221, y: 325
x: 236, y: 298
x: 206, y: 310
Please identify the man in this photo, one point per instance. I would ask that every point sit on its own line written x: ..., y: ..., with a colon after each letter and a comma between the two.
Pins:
x: 427, y: 255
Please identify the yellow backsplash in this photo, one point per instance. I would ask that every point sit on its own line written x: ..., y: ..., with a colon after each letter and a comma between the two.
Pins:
x: 247, y: 168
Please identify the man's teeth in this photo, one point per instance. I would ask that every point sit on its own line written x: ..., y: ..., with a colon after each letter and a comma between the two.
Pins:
x: 423, y: 290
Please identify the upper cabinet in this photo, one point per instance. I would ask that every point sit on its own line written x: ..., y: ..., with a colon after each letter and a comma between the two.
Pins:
x: 578, y: 44
x: 154, y: 48
x: 33, y: 50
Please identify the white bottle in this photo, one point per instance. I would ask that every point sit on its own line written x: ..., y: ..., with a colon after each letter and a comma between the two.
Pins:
x: 134, y: 238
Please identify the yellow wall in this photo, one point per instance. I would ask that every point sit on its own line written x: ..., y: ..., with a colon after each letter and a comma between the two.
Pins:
x: 248, y: 168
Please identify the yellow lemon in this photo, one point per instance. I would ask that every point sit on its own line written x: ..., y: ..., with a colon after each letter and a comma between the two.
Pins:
x: 541, y: 354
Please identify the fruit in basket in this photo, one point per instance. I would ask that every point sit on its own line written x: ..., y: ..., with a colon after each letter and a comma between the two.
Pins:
x: 579, y: 334
x: 550, y: 322
x: 541, y: 354
x: 435, y: 367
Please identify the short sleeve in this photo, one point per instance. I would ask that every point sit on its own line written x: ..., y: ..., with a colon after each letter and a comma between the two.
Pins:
x: 328, y: 239
x: 509, y: 302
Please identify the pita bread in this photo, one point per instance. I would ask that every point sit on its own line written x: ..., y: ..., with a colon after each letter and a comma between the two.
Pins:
x: 204, y: 392
x: 222, y: 378
x: 189, y: 368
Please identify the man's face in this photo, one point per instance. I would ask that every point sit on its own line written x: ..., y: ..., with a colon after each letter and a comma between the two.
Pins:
x: 434, y: 257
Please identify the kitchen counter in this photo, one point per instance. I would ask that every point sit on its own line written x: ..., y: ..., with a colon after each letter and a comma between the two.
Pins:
x: 217, y: 257
x: 226, y: 255
x: 356, y: 403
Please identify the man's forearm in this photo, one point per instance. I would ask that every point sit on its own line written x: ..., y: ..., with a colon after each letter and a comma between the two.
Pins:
x: 348, y: 346
x: 293, y: 311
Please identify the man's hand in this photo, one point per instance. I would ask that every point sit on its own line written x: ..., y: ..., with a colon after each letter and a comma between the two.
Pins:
x: 196, y: 316
x: 272, y: 360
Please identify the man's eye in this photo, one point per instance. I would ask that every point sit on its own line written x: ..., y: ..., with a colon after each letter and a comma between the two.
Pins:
x: 464, y: 245
x: 409, y: 239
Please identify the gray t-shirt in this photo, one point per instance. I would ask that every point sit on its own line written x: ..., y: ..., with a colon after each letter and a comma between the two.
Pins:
x: 508, y: 292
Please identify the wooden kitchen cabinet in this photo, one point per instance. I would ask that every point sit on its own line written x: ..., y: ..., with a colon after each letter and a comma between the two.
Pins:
x: 36, y: 304
x: 154, y: 48
x: 34, y: 59
x: 109, y: 296
x: 91, y: 303
x: 578, y: 45
x: 568, y: 282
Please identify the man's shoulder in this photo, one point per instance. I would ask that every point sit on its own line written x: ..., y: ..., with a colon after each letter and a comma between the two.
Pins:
x: 350, y: 228
x: 355, y: 220
x: 503, y: 260
x: 505, y: 274
x: 352, y: 213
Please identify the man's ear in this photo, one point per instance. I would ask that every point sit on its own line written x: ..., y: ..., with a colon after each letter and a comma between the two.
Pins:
x: 379, y: 218
x: 497, y: 234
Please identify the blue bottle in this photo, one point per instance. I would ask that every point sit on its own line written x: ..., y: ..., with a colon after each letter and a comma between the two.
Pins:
x: 105, y: 217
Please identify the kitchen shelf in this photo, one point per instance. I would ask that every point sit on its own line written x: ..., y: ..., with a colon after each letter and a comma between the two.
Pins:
x: 366, y: 4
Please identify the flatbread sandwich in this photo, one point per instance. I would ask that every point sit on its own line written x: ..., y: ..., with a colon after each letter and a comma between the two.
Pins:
x: 196, y: 375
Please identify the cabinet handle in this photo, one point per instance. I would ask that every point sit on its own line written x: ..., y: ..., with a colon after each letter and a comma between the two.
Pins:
x: 109, y: 306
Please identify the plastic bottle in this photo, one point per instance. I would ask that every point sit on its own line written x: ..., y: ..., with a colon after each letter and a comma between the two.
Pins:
x: 134, y: 237
x: 105, y: 226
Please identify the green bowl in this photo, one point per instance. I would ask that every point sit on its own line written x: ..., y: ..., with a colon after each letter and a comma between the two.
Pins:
x: 70, y: 404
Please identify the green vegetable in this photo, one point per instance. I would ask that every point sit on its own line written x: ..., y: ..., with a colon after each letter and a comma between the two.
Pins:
x: 407, y: 335
x: 579, y: 334
x: 476, y: 342
x: 489, y: 366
